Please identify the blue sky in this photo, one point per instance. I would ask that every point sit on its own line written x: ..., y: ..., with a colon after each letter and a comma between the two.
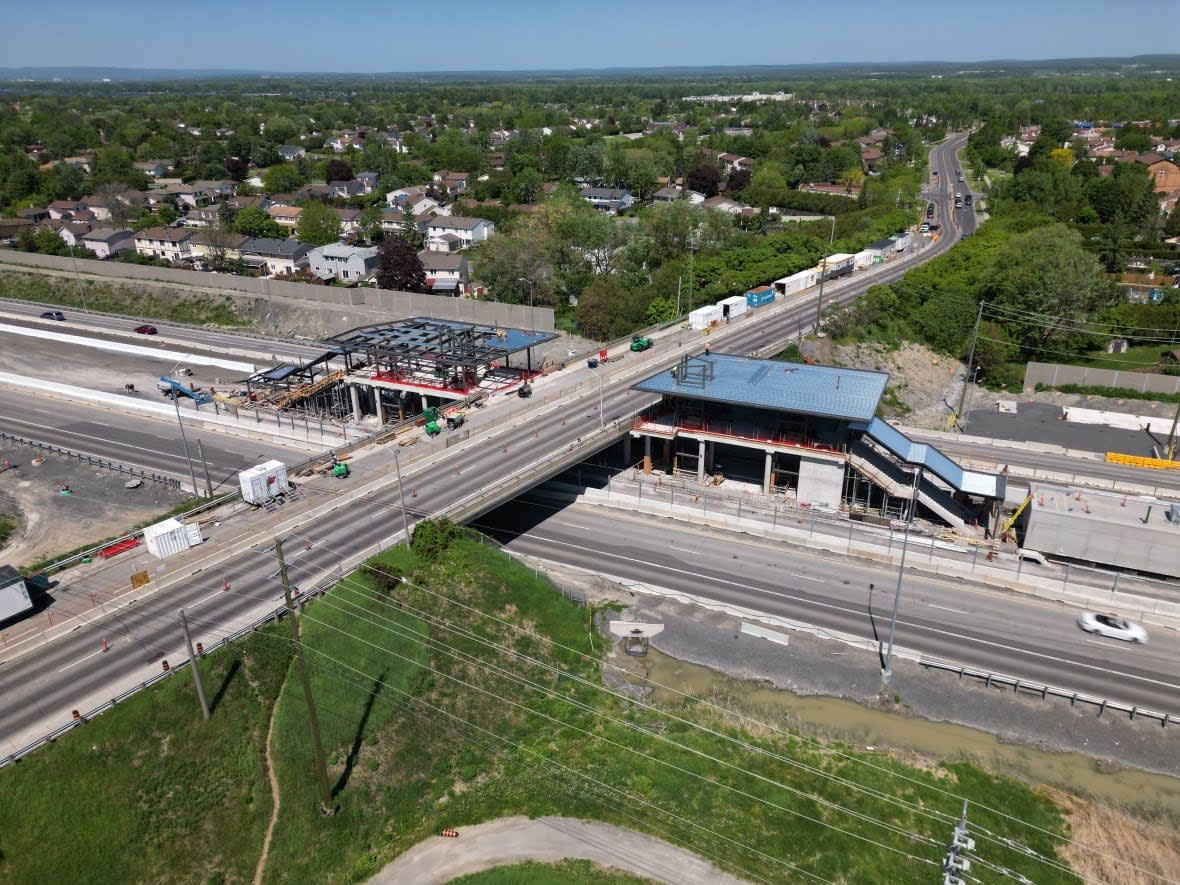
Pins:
x: 367, y: 36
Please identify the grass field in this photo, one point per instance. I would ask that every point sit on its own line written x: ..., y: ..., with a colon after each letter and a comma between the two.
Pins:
x: 470, y: 690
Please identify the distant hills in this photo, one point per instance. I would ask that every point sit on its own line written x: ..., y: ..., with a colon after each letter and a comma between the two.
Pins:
x: 1168, y: 63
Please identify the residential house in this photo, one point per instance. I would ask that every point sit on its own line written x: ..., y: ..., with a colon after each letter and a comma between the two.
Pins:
x: 453, y: 183
x: 350, y: 221
x: 34, y: 214
x: 291, y: 152
x: 369, y: 182
x: 415, y: 196
x: 152, y: 168
x: 240, y: 203
x: 79, y: 162
x: 285, y: 216
x: 496, y: 160
x: 345, y: 142
x: 314, y: 191
x: 11, y: 229
x: 171, y: 243
x: 344, y: 190
x: 105, y: 242
x: 734, y: 162
x: 1165, y: 176
x: 833, y: 190
x: 275, y: 257
x: 446, y: 273
x: 203, y: 216
x: 210, y: 246
x: 468, y: 230
x: 72, y: 232
x: 444, y: 243
x: 669, y: 194
x: 338, y: 261
x: 1143, y: 288
x: 741, y: 131
x: 610, y: 200
x: 60, y: 209
x: 871, y: 156
x: 392, y: 221
x: 724, y: 204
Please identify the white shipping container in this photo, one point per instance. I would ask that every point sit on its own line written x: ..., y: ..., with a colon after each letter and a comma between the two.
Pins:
x: 866, y: 259
x: 732, y: 307
x: 194, y: 534
x: 261, y: 483
x: 704, y: 317
x: 797, y: 282
x: 166, y: 538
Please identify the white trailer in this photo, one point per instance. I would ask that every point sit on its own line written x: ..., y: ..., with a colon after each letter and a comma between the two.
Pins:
x: 797, y: 282
x: 866, y: 258
x: 14, y: 593
x: 170, y: 537
x: 704, y: 317
x: 261, y: 483
x: 733, y: 307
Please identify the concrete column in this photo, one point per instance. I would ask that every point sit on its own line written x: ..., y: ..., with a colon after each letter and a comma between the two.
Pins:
x: 424, y: 405
x: 669, y: 463
x: 647, y: 454
x: 768, y: 473
x: 627, y: 450
x: 355, y: 395
x: 710, y: 450
x: 380, y: 406
x: 701, y: 447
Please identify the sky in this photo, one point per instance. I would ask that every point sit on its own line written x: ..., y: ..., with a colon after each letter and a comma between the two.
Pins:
x: 370, y: 36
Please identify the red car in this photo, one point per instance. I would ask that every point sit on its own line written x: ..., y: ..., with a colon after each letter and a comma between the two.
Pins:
x: 145, y: 330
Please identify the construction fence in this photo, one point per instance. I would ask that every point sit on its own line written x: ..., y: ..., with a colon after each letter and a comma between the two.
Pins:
x: 1056, y: 375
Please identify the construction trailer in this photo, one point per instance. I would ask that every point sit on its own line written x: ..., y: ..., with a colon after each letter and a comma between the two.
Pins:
x: 263, y: 482
x: 170, y: 537
x: 14, y: 593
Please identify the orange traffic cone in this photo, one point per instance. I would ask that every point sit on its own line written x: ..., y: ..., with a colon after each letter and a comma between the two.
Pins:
x: 225, y: 583
x: 450, y: 834
x: 106, y: 646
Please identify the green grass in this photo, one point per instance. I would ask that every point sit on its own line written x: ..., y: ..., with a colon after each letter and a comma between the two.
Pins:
x: 436, y: 711
x: 139, y: 794
x: 169, y: 304
x: 570, y: 872
x: 1133, y: 359
x: 8, y: 525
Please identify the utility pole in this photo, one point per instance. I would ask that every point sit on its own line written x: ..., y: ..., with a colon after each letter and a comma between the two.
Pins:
x: 208, y: 482
x: 970, y: 361
x: 1172, y: 435
x: 192, y: 658
x: 402, y: 493
x: 187, y: 456
x: 886, y: 673
x: 679, y: 280
x: 952, y: 864
x: 312, y: 720
x: 823, y: 273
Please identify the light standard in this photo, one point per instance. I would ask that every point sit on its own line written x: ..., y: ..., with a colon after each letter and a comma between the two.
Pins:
x: 885, y: 671
x: 970, y: 391
x: 819, y: 299
x: 532, y: 317
x: 601, y: 388
x: 402, y: 492
x: 184, y: 439
x: 78, y: 278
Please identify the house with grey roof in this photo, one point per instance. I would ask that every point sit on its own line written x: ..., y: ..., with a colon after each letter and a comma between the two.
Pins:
x: 468, y: 231
x: 339, y: 261
x: 445, y: 273
x: 276, y: 257
x: 105, y: 242
x: 610, y: 200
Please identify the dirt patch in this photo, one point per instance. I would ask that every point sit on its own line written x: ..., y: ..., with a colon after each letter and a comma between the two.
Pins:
x: 98, y: 506
x: 1133, y: 850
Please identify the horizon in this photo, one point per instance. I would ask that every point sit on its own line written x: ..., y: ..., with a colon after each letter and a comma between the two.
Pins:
x: 530, y: 36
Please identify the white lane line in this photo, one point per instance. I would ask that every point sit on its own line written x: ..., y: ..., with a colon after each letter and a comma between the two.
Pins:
x: 82, y: 660
x: 957, y: 611
x: 807, y: 578
x: 574, y: 525
x: 948, y: 634
x: 205, y: 598
x: 686, y: 550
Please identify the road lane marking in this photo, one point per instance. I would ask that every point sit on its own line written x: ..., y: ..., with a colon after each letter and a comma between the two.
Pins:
x: 807, y: 578
x: 1054, y: 659
x: 82, y: 660
x: 957, y: 611
x: 686, y: 550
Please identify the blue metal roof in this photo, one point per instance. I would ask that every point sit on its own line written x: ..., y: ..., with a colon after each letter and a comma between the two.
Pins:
x: 826, y: 391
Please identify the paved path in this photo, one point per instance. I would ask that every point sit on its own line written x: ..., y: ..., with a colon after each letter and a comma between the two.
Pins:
x: 513, y: 840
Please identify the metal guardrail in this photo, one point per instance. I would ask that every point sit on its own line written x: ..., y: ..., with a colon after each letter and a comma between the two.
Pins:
x: 90, y: 459
x: 1029, y: 687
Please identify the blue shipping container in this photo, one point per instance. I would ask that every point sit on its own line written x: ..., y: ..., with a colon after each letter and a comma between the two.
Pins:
x: 758, y: 299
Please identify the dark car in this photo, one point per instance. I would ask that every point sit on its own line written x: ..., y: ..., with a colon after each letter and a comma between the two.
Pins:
x: 145, y: 330
x: 53, y: 315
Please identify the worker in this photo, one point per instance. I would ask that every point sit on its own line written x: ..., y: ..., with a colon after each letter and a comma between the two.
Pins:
x: 708, y: 348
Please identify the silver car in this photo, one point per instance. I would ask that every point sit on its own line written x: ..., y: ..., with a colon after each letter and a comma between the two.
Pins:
x: 1112, y: 626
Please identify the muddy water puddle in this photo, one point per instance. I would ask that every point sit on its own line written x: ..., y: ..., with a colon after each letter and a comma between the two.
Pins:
x: 865, y: 727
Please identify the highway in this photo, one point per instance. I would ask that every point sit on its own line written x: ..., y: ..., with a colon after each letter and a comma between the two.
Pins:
x: 43, y: 686
x: 995, y: 631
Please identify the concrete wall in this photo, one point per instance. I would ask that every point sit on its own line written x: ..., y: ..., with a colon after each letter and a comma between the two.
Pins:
x: 397, y: 305
x: 1055, y: 375
x: 821, y: 482
x: 1152, y: 547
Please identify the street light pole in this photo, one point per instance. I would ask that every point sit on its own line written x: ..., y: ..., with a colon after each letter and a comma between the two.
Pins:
x: 601, y: 387
x: 402, y: 492
x: 886, y: 673
x: 188, y: 457
x: 78, y: 279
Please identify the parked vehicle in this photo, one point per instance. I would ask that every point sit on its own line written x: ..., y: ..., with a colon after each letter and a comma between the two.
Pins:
x: 967, y: 198
x: 53, y: 315
x: 1112, y: 626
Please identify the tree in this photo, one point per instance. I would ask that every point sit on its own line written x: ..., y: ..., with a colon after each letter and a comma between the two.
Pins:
x: 643, y: 180
x: 166, y: 214
x: 338, y: 170
x: 526, y: 185
x: 738, y: 181
x: 767, y: 187
x: 370, y: 223
x: 49, y: 242
x: 318, y: 224
x: 254, y: 222
x: 704, y: 179
x: 281, y: 179
x: 400, y: 266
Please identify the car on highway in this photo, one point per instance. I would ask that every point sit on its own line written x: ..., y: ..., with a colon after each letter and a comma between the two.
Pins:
x: 145, y: 330
x: 52, y: 315
x: 1112, y: 626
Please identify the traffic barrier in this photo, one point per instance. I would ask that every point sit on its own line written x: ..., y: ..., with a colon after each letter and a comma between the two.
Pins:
x: 450, y: 834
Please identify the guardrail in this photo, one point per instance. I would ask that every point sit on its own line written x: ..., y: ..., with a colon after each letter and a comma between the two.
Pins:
x: 1029, y: 687
x: 90, y: 459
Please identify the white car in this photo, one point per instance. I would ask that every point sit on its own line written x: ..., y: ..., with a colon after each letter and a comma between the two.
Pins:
x: 1112, y: 626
